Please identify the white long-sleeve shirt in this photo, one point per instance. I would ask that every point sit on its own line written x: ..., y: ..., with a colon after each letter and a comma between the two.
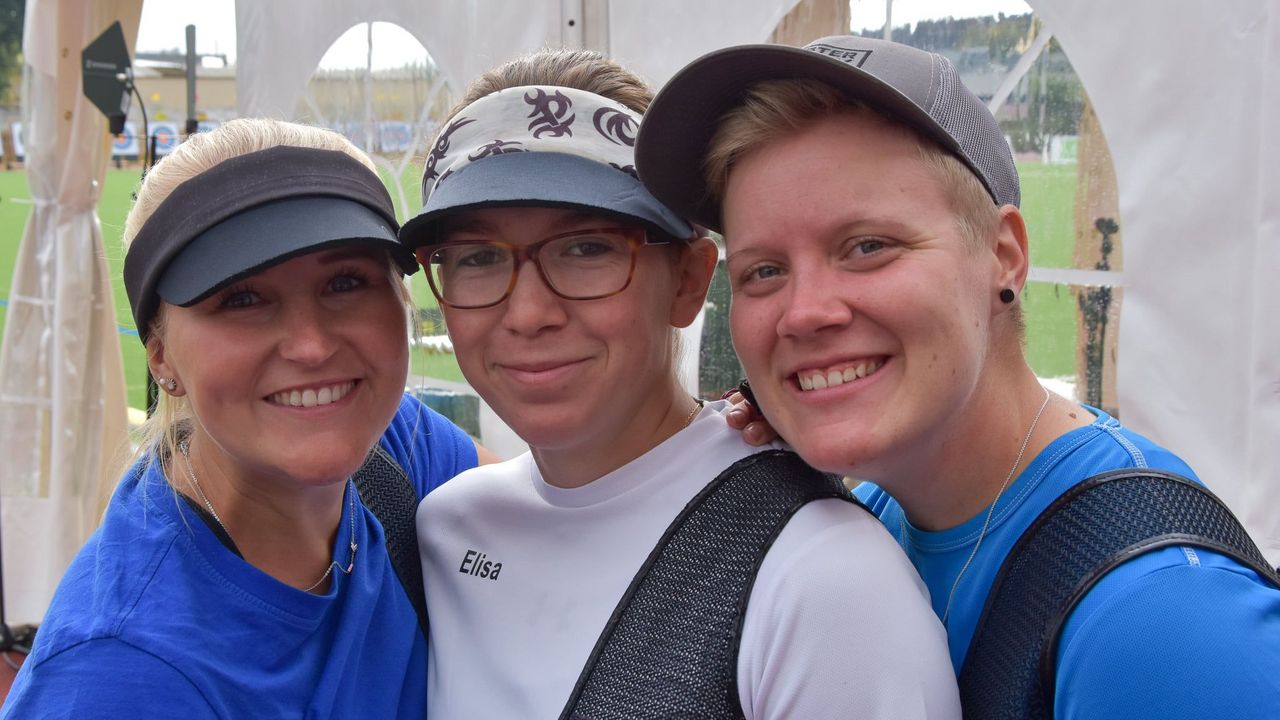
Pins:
x: 522, y: 576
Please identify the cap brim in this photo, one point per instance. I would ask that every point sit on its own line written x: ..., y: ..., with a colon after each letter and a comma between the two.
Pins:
x: 255, y: 239
x: 680, y: 122
x: 543, y: 179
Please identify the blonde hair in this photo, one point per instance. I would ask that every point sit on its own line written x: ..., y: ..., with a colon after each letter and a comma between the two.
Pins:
x: 170, y: 420
x: 775, y: 108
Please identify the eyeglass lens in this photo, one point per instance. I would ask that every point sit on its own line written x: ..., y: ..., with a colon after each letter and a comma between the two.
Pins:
x: 577, y: 266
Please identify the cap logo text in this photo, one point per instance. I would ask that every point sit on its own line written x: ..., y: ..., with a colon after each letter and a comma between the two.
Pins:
x: 851, y: 56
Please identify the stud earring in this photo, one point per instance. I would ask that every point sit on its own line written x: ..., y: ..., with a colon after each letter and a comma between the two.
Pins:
x: 1007, y: 295
x: 168, y: 384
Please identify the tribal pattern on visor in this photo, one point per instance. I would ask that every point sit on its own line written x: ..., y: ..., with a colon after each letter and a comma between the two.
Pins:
x: 560, y: 120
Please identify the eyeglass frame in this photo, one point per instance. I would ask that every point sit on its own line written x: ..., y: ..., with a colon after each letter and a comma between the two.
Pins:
x: 636, y: 238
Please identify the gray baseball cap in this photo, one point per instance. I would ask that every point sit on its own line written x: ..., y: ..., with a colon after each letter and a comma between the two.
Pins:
x: 915, y: 87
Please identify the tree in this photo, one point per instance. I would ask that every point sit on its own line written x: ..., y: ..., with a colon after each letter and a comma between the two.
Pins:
x: 12, y: 13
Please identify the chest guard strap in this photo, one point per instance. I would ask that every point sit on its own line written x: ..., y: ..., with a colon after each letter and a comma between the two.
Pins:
x: 670, y: 649
x: 386, y: 490
x: 1107, y: 519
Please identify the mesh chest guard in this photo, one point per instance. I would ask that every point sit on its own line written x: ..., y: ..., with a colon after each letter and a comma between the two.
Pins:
x: 385, y: 489
x: 670, y: 649
x: 1009, y: 670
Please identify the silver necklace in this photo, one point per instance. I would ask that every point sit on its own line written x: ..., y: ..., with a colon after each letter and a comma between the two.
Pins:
x: 1026, y: 440
x: 184, y: 447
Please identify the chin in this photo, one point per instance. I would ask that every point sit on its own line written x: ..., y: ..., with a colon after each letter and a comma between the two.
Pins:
x: 327, y: 468
x: 829, y: 448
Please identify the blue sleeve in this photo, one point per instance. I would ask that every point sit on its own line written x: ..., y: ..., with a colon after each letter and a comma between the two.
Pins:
x: 429, y: 447
x: 1174, y: 634
x: 870, y: 495
x: 104, y: 679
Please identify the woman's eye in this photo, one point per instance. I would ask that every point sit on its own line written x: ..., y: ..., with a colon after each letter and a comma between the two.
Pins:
x: 868, y: 247
x: 347, y: 280
x: 868, y: 253
x: 480, y: 257
x: 238, y: 298
x: 759, y: 273
x: 589, y: 247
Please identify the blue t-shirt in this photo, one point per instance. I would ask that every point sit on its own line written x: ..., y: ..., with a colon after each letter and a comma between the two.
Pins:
x: 1175, y: 633
x: 157, y: 618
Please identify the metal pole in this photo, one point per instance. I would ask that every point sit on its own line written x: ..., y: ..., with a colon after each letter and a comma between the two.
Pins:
x: 192, y: 123
x: 368, y: 94
x: 888, y: 19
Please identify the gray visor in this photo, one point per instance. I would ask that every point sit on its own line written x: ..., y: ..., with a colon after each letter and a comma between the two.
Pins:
x: 544, y: 179
x: 266, y: 235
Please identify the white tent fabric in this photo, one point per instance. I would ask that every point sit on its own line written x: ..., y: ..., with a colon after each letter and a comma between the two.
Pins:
x: 62, y: 418
x: 1188, y: 95
x: 279, y: 44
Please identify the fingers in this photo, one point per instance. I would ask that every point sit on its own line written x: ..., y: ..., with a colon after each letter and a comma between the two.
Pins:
x: 759, y: 433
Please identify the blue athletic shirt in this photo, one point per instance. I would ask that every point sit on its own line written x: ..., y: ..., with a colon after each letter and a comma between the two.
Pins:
x: 157, y: 618
x: 1175, y: 633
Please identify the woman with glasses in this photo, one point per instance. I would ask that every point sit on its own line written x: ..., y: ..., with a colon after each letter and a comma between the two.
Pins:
x: 641, y: 561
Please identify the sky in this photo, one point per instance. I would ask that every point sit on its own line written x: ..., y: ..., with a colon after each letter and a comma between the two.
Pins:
x: 164, y: 22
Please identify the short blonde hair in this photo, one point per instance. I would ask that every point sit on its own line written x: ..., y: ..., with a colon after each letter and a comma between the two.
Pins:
x: 774, y: 108
x: 171, y: 418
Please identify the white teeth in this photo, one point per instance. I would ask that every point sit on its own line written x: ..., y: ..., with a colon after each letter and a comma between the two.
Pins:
x: 312, y: 397
x: 820, y: 380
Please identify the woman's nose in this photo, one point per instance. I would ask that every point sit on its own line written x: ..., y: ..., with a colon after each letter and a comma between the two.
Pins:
x: 812, y: 305
x: 307, y: 336
x: 532, y: 305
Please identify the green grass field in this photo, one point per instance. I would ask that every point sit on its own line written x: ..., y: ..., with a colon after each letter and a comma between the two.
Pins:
x: 1048, y: 198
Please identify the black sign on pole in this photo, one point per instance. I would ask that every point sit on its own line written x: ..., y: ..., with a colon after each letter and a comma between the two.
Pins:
x: 108, y: 75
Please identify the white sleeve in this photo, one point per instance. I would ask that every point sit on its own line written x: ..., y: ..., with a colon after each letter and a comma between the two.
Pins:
x: 839, y: 626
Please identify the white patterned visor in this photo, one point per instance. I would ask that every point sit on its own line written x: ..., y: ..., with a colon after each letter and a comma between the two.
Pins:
x: 539, y: 146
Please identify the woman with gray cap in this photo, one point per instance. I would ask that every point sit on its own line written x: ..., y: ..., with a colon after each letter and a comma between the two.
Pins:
x: 238, y: 572
x: 876, y: 252
x: 641, y: 561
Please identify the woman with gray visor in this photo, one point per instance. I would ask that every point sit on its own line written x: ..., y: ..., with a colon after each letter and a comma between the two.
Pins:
x: 238, y: 571
x: 641, y: 561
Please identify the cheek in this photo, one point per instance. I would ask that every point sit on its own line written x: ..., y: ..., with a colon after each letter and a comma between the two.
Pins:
x: 389, y: 324
x: 750, y: 327
x: 468, y: 331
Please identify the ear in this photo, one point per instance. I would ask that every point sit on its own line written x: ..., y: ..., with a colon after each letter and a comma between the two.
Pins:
x: 696, y: 266
x: 159, y: 365
x: 1010, y: 255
